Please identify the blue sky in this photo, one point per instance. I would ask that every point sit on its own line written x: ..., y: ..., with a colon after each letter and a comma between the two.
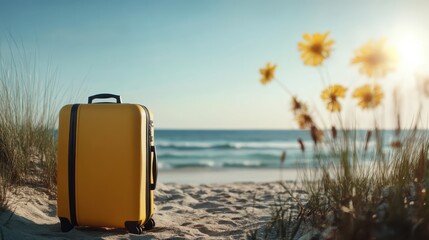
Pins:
x: 196, y: 63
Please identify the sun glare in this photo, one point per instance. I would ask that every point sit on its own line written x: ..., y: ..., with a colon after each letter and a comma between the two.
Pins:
x: 410, y: 51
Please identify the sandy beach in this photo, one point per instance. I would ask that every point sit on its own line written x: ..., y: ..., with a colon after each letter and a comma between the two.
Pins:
x: 183, y: 211
x: 209, y: 176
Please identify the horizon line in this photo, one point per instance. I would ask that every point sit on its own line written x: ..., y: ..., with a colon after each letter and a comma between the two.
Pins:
x: 275, y: 129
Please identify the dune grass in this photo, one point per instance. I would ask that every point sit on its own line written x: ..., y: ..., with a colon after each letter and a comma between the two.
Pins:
x: 28, y: 112
x: 385, y: 198
x: 354, y: 194
x: 359, y: 191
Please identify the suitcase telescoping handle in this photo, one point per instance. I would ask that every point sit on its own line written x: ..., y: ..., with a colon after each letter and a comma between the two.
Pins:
x: 154, y: 168
x: 104, y: 95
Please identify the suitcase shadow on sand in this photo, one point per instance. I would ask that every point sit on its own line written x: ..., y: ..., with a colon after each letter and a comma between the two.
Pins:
x: 13, y: 226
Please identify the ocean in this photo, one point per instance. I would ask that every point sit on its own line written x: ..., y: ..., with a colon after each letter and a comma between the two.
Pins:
x: 238, y: 148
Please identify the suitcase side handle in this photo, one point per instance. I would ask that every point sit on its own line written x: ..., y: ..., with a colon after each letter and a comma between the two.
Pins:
x: 104, y: 95
x: 154, y: 168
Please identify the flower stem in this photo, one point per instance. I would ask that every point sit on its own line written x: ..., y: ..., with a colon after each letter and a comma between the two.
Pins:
x: 319, y: 70
x: 284, y: 87
x: 340, y: 120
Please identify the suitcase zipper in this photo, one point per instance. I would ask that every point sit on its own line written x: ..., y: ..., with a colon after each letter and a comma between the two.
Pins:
x: 72, y: 164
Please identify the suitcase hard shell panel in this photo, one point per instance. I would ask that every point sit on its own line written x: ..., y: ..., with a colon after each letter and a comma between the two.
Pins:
x: 110, y: 167
x: 63, y: 209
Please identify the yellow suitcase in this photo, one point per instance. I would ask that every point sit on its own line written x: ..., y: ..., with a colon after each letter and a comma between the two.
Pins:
x: 107, y: 168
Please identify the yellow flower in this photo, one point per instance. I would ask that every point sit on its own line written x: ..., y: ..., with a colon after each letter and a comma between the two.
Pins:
x: 298, y: 106
x: 267, y: 73
x: 377, y: 58
x: 315, y: 48
x: 331, y: 94
x: 369, y: 96
x: 304, y: 120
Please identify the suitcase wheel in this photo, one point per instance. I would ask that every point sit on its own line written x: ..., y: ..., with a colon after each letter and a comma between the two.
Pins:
x: 135, y: 230
x: 134, y: 227
x: 149, y: 224
x: 66, y: 226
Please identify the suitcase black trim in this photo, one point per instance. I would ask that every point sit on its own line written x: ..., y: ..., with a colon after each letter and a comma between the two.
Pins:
x: 148, y: 165
x: 154, y: 167
x: 72, y: 164
x: 66, y: 226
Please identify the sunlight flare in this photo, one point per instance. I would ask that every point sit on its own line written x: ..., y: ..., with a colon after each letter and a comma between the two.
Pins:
x: 410, y: 51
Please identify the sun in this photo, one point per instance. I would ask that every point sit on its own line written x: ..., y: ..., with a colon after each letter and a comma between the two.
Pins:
x: 410, y: 51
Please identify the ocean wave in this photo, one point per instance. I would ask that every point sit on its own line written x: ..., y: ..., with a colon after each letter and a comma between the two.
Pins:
x: 199, y: 164
x: 227, y: 145
x: 192, y: 155
x: 235, y: 164
x: 245, y: 164
x: 213, y: 164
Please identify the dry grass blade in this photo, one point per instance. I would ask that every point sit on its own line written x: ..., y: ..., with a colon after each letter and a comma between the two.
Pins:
x: 316, y: 135
x: 397, y: 107
x: 334, y: 132
x: 367, y: 139
x: 283, y: 157
x: 301, y: 144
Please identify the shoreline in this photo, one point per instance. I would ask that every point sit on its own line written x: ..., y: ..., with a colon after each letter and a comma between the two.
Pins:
x: 226, y: 175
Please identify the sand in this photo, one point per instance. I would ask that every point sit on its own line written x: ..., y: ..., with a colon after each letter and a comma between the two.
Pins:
x: 183, y: 211
x: 209, y: 176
